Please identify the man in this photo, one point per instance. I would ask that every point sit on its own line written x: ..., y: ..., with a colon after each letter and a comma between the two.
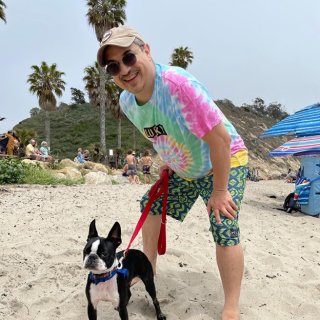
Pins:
x: 32, y: 151
x: 199, y: 146
x: 132, y: 166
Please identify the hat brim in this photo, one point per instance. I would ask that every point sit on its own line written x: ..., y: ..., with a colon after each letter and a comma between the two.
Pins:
x: 120, y: 42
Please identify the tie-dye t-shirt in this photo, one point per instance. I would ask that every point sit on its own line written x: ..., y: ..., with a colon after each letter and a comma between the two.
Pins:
x: 179, y: 113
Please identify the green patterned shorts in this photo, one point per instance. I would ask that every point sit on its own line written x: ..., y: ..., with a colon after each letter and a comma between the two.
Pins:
x: 182, y: 194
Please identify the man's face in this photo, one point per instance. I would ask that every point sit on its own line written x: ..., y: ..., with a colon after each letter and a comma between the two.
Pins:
x: 138, y: 78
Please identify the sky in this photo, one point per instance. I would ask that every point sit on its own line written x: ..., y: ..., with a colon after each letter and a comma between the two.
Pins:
x: 242, y: 49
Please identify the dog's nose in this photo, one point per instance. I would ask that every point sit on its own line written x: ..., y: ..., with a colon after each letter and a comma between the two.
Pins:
x: 92, y: 257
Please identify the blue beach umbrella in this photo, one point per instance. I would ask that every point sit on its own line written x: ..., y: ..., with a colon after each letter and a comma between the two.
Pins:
x: 305, y: 122
x: 298, y: 146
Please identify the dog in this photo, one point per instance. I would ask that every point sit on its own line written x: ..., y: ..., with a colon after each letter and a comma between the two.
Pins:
x: 110, y: 273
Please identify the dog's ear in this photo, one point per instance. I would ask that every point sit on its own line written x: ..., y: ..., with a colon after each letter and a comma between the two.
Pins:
x: 93, y: 233
x: 115, y: 234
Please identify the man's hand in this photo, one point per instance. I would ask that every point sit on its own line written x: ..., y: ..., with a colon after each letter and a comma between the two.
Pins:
x: 165, y: 167
x: 221, y: 202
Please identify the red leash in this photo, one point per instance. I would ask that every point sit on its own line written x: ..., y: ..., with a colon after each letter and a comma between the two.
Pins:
x: 158, y: 189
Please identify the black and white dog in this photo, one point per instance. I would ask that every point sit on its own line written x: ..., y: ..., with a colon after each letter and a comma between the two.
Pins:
x: 110, y: 275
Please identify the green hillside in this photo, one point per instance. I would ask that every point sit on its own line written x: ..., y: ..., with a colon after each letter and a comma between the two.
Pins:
x: 77, y: 126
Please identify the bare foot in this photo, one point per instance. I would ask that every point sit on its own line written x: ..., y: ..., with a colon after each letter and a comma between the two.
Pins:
x: 230, y: 315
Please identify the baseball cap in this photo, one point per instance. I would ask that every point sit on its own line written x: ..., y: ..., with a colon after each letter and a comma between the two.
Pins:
x: 122, y: 36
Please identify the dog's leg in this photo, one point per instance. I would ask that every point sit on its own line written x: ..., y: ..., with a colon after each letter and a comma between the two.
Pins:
x: 151, y: 289
x: 123, y: 312
x: 124, y: 296
x: 92, y: 312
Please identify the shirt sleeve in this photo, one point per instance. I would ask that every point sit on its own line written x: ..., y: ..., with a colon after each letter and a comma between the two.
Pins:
x: 198, y: 108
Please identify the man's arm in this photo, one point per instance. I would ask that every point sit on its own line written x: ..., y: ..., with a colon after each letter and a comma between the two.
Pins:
x: 220, y: 201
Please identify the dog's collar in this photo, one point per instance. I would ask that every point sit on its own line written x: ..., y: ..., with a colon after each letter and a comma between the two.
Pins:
x: 97, y: 278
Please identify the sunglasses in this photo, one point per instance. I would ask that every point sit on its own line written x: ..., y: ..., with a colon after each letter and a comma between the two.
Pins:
x: 113, y: 68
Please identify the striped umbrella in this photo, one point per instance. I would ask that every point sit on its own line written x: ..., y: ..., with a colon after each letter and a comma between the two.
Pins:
x: 305, y: 122
x: 298, y: 146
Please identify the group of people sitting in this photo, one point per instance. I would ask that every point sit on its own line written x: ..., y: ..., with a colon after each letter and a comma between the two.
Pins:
x: 42, y: 154
x: 130, y: 168
x: 82, y: 156
x: 10, y: 146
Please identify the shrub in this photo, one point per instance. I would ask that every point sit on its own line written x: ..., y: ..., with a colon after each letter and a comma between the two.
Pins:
x: 14, y: 171
x: 11, y: 171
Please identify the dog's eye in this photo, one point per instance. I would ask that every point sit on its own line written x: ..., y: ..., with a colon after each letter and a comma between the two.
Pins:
x: 104, y: 255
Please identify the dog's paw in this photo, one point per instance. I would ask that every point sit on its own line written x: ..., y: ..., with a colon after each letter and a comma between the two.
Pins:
x: 161, y: 316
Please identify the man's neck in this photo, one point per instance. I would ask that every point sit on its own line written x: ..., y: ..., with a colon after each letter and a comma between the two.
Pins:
x: 143, y: 97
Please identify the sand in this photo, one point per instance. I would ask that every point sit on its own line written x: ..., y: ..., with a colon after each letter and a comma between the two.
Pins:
x: 43, y: 231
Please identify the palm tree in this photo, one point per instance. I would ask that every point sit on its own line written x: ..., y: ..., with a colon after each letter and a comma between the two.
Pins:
x: 113, y: 92
x: 92, y: 85
x: 2, y: 14
x: 104, y: 15
x: 45, y: 81
x: 181, y: 57
x: 25, y: 135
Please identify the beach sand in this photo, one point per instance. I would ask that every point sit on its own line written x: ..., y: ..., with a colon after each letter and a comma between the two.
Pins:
x: 44, y: 228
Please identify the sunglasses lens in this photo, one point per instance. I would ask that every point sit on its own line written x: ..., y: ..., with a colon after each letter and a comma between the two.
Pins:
x: 113, y: 68
x: 129, y: 59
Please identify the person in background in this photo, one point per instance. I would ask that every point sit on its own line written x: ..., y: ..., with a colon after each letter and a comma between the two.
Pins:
x: 10, y: 144
x: 291, y: 176
x: 80, y: 157
x: 125, y: 170
x: 132, y: 166
x: 16, y: 149
x: 146, y: 162
x: 45, y: 152
x: 86, y: 155
x: 201, y: 150
x: 32, y: 151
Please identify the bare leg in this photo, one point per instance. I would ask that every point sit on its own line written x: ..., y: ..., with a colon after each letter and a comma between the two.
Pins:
x: 150, y: 236
x: 231, y: 265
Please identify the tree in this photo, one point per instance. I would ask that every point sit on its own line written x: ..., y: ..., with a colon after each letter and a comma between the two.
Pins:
x: 181, y: 57
x: 45, y: 82
x: 34, y: 112
x: 104, y: 15
x: 92, y: 83
x: 259, y: 106
x: 276, y: 111
x: 113, y: 92
x: 25, y: 135
x: 77, y: 96
x: 2, y: 13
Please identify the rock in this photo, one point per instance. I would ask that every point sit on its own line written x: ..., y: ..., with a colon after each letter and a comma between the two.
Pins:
x: 69, y: 163
x: 70, y: 173
x: 101, y: 167
x: 97, y: 178
x: 58, y: 175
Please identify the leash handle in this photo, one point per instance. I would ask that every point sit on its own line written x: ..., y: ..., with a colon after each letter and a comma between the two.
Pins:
x: 159, y: 188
